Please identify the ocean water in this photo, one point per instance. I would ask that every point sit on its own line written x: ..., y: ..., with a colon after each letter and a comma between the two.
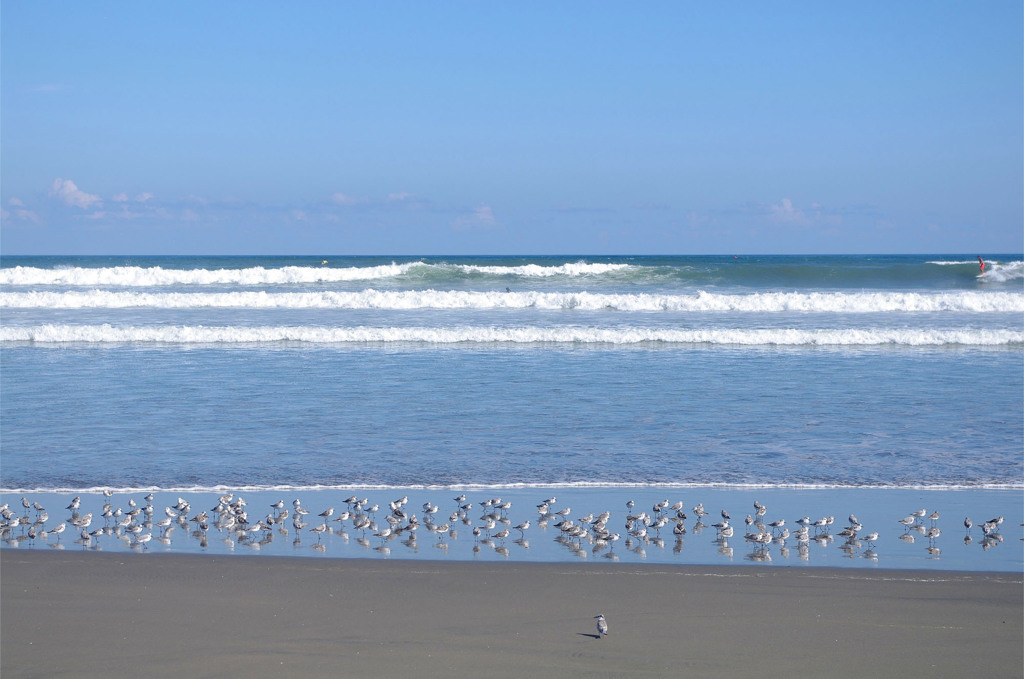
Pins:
x: 859, y: 376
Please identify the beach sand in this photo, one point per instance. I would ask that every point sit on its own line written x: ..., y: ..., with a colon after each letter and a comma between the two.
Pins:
x: 87, y: 614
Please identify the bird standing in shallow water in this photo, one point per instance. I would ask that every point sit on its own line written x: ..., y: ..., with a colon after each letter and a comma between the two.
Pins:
x: 602, y: 625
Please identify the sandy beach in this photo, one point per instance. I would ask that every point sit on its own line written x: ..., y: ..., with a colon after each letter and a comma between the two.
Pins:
x: 110, y: 615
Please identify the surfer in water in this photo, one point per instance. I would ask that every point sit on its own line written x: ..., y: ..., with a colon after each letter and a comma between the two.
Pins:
x: 981, y: 264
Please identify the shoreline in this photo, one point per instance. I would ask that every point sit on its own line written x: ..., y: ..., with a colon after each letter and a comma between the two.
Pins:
x: 98, y: 614
x: 897, y: 546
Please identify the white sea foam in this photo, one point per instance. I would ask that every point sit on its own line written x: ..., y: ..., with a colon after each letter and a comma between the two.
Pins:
x: 768, y: 302
x: 133, y: 276
x: 236, y: 335
x: 1001, y: 273
x: 538, y: 271
x: 995, y: 271
x: 581, y: 485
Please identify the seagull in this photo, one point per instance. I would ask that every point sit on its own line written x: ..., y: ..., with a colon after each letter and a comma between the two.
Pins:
x: 602, y: 625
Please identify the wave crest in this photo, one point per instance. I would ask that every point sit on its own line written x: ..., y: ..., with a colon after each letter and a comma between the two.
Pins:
x: 836, y: 302
x: 133, y: 276
x: 235, y: 335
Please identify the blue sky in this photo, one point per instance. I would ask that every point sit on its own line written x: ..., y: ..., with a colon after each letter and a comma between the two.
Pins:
x: 511, y: 128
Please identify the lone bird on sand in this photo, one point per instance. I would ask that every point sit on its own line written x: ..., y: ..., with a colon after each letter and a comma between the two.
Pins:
x: 602, y: 625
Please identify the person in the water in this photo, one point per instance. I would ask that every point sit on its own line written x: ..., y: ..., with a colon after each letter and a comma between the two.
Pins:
x: 981, y: 264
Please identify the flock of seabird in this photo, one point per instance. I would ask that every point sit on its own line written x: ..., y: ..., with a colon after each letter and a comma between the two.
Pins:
x: 377, y: 528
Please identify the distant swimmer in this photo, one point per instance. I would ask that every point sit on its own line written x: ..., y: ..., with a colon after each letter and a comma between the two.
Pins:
x: 508, y: 289
x: 981, y: 264
x: 325, y: 261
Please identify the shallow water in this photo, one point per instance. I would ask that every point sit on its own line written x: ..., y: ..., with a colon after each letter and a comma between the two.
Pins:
x: 878, y: 510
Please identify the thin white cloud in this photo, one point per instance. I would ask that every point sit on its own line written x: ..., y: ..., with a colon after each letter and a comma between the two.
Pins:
x: 485, y: 215
x: 344, y: 199
x: 815, y: 216
x: 28, y: 216
x: 785, y: 213
x: 66, y: 191
x: 481, y: 219
x: 19, y: 212
x: 123, y: 197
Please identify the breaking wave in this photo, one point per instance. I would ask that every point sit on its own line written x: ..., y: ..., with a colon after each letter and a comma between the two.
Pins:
x: 236, y: 335
x: 133, y: 276
x: 768, y: 302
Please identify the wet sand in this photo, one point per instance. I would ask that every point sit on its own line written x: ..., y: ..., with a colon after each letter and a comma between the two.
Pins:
x: 87, y: 614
